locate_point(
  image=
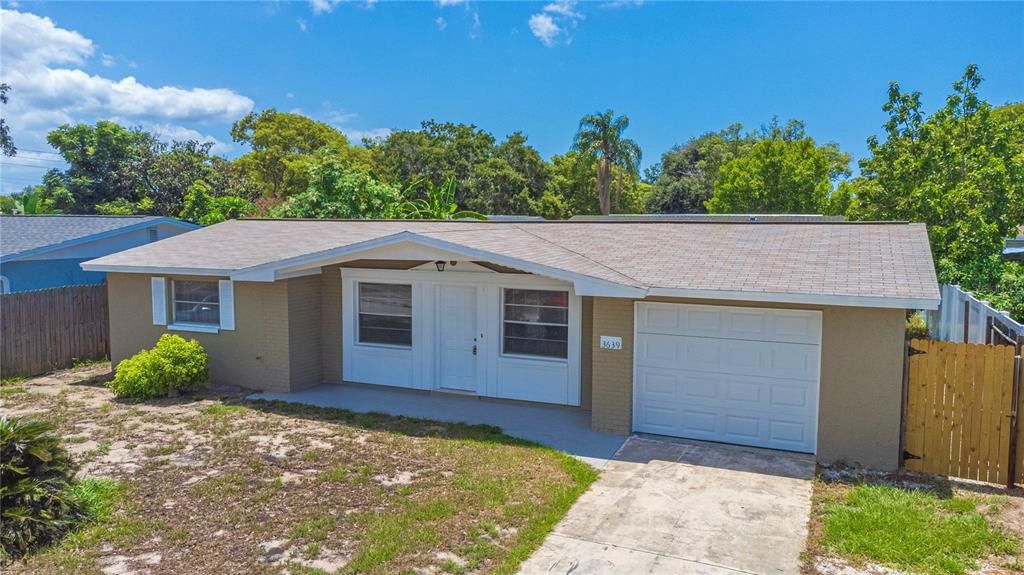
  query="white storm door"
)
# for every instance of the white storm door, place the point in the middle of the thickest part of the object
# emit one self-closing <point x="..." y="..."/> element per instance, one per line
<point x="456" y="334"/>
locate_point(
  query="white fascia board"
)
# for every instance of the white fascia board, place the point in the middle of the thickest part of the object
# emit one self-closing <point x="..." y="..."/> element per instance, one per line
<point x="154" y="270"/>
<point x="584" y="285"/>
<point x="808" y="299"/>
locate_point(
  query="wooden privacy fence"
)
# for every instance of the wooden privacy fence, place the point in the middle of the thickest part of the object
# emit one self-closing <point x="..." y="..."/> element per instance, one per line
<point x="49" y="329"/>
<point x="960" y="408"/>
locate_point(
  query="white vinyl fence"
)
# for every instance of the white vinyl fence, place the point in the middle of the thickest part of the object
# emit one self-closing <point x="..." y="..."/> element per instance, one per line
<point x="964" y="318"/>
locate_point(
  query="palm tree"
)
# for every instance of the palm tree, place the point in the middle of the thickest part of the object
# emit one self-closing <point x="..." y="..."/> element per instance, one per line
<point x="599" y="138"/>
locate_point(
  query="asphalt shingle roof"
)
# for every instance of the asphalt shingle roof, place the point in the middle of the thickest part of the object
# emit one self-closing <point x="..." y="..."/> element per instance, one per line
<point x="19" y="234"/>
<point x="889" y="260"/>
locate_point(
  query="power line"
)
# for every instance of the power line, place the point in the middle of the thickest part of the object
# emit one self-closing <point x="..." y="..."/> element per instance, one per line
<point x="2" y="164"/>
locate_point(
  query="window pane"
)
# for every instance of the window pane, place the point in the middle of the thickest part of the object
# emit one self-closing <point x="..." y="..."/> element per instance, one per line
<point x="535" y="314"/>
<point x="536" y="322"/>
<point x="385" y="314"/>
<point x="537" y="297"/>
<point x="536" y="347"/>
<point x="537" y="331"/>
<point x="386" y="336"/>
<point x="196" y="302"/>
<point x="390" y="299"/>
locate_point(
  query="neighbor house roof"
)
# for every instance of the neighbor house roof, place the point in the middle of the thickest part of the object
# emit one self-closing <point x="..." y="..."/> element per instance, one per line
<point x="1014" y="249"/>
<point x="864" y="264"/>
<point x="22" y="236"/>
<point x="723" y="218"/>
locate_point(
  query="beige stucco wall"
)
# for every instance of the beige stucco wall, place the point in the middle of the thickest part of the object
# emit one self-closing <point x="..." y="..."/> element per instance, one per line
<point x="330" y="323"/>
<point x="271" y="319"/>
<point x="860" y="400"/>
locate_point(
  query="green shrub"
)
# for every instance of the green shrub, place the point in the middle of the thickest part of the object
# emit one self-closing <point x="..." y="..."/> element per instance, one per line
<point x="36" y="504"/>
<point x="916" y="326"/>
<point x="174" y="364"/>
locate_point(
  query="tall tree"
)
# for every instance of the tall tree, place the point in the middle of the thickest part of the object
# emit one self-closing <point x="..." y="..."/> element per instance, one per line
<point x="104" y="164"/>
<point x="686" y="174"/>
<point x="599" y="139"/>
<point x="283" y="146"/>
<point x="960" y="170"/>
<point x="785" y="171"/>
<point x="335" y="191"/>
<point x="6" y="142"/>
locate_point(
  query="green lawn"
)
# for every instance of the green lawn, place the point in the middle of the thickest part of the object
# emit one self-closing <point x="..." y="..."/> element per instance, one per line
<point x="914" y="530"/>
<point x="258" y="487"/>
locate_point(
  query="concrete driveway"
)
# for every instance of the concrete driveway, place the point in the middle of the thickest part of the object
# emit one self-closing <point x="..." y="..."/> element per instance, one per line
<point x="686" y="507"/>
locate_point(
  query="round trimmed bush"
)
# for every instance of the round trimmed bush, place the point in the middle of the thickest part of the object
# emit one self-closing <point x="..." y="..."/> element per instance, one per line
<point x="174" y="364"/>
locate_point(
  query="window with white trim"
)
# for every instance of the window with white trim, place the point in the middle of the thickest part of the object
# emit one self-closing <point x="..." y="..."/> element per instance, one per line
<point x="196" y="302"/>
<point x="535" y="322"/>
<point x="385" y="314"/>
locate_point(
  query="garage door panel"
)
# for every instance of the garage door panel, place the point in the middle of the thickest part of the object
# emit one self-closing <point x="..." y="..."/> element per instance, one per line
<point x="789" y="326"/>
<point x="738" y="375"/>
<point x="771" y="359"/>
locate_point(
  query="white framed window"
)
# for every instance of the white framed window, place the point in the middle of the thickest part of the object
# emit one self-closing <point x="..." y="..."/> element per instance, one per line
<point x="385" y="314"/>
<point x="196" y="302"/>
<point x="535" y="323"/>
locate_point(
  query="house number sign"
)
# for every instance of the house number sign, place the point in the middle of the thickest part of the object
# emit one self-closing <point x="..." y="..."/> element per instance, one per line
<point x="611" y="342"/>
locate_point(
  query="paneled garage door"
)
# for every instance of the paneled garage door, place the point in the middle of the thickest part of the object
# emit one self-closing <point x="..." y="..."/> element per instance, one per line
<point x="737" y="375"/>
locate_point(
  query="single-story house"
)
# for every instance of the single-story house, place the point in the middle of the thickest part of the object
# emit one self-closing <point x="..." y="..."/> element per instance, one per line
<point x="778" y="335"/>
<point x="46" y="251"/>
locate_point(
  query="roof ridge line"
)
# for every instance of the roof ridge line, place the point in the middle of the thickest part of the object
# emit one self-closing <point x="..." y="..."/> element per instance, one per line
<point x="609" y="268"/>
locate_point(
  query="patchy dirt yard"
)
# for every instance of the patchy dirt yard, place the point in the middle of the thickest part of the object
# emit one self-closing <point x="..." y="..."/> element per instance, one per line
<point x="906" y="523"/>
<point x="218" y="484"/>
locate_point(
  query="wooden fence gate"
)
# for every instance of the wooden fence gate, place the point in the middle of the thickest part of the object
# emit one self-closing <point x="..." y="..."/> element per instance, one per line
<point x="960" y="413"/>
<point x="49" y="329"/>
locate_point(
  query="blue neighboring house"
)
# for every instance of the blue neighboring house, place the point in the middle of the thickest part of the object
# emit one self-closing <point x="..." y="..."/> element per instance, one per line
<point x="45" y="251"/>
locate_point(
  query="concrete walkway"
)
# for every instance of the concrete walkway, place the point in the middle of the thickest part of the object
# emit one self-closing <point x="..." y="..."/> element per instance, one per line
<point x="564" y="428"/>
<point x="685" y="507"/>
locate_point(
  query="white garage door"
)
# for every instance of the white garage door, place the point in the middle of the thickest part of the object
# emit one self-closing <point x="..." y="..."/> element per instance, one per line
<point x="730" y="374"/>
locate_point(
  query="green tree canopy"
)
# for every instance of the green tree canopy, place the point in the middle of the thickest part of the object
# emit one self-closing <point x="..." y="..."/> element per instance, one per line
<point x="960" y="170"/>
<point x="6" y="141"/>
<point x="203" y="209"/>
<point x="104" y="164"/>
<point x="685" y="177"/>
<point x="785" y="171"/>
<point x="283" y="146"/>
<point x="600" y="140"/>
<point x="335" y="191"/>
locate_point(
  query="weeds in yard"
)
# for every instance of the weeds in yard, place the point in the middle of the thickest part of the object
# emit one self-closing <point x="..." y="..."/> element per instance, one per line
<point x="912" y="530"/>
<point x="314" y="527"/>
<point x="9" y="381"/>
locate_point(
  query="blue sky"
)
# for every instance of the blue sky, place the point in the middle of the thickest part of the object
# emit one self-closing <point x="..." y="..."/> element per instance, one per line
<point x="677" y="69"/>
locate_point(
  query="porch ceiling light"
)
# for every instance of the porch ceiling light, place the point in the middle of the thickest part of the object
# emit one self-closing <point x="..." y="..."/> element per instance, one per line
<point x="440" y="265"/>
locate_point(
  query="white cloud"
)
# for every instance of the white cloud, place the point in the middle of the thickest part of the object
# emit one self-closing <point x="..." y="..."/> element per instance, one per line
<point x="168" y="132"/>
<point x="544" y="28"/>
<point x="441" y="23"/>
<point x="444" y="3"/>
<point x="44" y="63"/>
<point x="566" y="8"/>
<point x="356" y="136"/>
<point x="622" y="3"/>
<point x="553" y="24"/>
<point x="326" y="6"/>
<point x="323" y="6"/>
<point x="302" y="24"/>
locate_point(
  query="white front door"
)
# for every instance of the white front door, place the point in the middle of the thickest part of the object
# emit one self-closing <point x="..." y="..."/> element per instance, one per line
<point x="456" y="327"/>
<point x="729" y="374"/>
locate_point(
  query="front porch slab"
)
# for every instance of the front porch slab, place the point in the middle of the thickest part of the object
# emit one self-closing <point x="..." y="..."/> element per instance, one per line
<point x="564" y="428"/>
